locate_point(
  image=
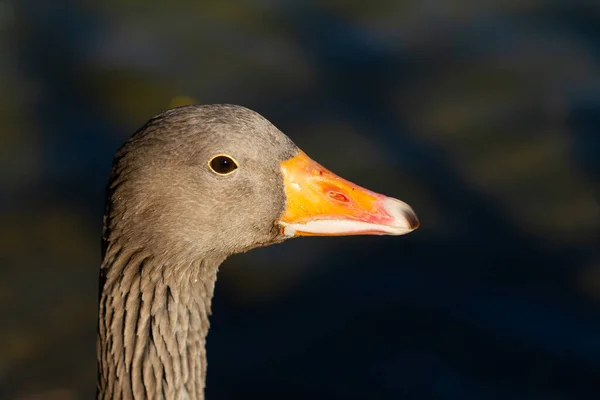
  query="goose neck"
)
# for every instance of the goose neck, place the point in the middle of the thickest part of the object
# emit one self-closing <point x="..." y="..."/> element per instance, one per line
<point x="153" y="322"/>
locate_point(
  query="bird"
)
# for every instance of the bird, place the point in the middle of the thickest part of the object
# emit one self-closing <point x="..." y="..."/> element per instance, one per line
<point x="194" y="185"/>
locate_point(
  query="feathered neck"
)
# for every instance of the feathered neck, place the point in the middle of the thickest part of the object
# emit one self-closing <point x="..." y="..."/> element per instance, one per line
<point x="153" y="322"/>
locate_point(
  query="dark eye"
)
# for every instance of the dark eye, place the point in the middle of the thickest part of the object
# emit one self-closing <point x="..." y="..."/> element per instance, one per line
<point x="222" y="164"/>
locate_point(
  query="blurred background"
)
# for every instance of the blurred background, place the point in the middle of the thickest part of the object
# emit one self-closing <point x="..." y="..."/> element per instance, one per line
<point x="483" y="115"/>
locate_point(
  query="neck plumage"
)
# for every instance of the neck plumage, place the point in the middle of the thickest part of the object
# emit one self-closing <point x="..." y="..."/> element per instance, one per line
<point x="153" y="321"/>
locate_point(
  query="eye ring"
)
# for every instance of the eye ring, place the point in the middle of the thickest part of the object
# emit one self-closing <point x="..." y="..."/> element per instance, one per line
<point x="222" y="164"/>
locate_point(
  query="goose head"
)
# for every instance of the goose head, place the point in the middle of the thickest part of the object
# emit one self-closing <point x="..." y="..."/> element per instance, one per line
<point x="222" y="179"/>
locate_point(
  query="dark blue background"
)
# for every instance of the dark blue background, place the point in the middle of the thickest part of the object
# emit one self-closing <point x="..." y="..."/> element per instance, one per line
<point x="484" y="116"/>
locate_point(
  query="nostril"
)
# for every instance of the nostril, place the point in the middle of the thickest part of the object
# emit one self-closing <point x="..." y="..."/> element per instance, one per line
<point x="338" y="196"/>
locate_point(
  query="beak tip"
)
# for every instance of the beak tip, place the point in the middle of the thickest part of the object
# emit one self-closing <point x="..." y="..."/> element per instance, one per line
<point x="403" y="214"/>
<point x="412" y="219"/>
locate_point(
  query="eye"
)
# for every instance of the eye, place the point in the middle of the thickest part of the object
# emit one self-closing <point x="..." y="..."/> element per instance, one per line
<point x="222" y="164"/>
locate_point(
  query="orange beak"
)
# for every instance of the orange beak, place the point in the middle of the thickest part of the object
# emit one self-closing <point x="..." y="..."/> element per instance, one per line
<point x="320" y="203"/>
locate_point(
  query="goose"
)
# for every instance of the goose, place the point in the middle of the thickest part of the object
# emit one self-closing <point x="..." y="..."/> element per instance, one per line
<point x="191" y="187"/>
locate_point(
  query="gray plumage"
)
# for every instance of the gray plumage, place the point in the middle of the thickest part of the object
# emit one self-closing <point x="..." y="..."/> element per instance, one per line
<point x="169" y="223"/>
